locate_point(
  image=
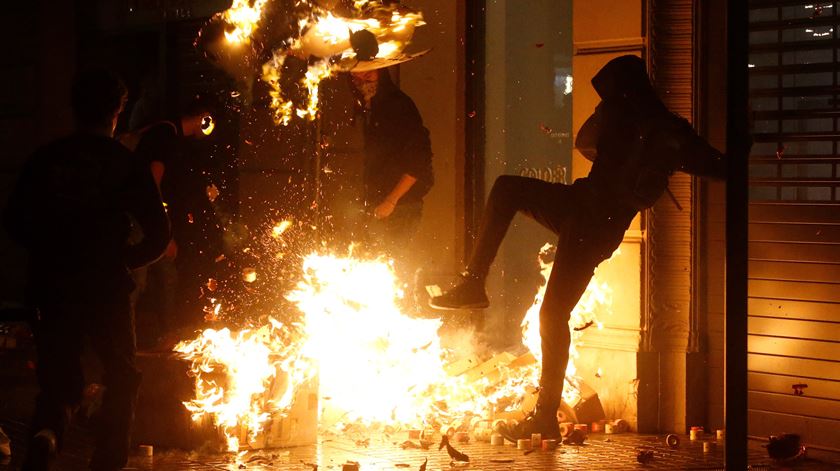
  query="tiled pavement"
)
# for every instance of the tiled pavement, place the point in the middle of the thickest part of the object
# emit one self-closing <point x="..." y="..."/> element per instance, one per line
<point x="601" y="452"/>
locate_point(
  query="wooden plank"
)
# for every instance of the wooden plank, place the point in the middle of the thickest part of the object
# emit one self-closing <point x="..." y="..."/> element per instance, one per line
<point x="815" y="432"/>
<point x="783" y="384"/>
<point x="829" y="370"/>
<point x="795" y="405"/>
<point x="795" y="290"/>
<point x="810" y="349"/>
<point x="794" y="252"/>
<point x="794" y="212"/>
<point x="768" y="231"/>
<point x="800" y="271"/>
<point x="802" y="329"/>
<point x="817" y="311"/>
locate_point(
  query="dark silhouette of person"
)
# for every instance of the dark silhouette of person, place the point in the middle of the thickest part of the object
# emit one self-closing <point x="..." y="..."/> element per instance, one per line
<point x="73" y="209"/>
<point x="635" y="143"/>
<point x="398" y="165"/>
<point x="177" y="157"/>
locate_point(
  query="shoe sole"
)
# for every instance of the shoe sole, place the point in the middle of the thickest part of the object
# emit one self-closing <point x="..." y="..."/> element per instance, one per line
<point x="459" y="308"/>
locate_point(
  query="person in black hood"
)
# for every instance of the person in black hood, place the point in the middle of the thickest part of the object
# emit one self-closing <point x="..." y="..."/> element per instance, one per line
<point x="398" y="164"/>
<point x="73" y="208"/>
<point x="635" y="143"/>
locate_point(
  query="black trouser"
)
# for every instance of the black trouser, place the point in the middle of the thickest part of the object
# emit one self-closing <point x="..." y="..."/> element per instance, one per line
<point x="108" y="324"/>
<point x="394" y="237"/>
<point x="588" y="231"/>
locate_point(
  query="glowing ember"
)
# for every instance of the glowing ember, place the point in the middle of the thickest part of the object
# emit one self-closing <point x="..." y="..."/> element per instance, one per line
<point x="280" y="228"/>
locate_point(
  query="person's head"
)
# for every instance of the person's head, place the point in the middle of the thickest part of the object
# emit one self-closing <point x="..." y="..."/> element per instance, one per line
<point x="197" y="118"/>
<point x="624" y="77"/>
<point x="366" y="83"/>
<point x="98" y="97"/>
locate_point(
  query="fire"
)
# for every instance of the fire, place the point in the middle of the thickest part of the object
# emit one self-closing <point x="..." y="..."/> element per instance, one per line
<point x="312" y="80"/>
<point x="235" y="374"/>
<point x="280" y="228"/>
<point x="596" y="299"/>
<point x="243" y="16"/>
<point x="325" y="38"/>
<point x="374" y="364"/>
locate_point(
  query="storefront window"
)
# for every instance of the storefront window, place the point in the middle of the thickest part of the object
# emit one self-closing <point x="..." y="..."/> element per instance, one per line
<point x="527" y="127"/>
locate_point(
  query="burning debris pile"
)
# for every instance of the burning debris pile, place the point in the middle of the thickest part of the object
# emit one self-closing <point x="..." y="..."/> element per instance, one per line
<point x="378" y="369"/>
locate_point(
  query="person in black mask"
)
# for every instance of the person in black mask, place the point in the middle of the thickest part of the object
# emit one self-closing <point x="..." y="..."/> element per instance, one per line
<point x="73" y="209"/>
<point x="635" y="144"/>
<point x="397" y="167"/>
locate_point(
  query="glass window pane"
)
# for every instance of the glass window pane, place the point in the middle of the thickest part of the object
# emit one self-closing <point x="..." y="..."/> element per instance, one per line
<point x="759" y="193"/>
<point x="811" y="56"/>
<point x="809" y="148"/>
<point x="807" y="102"/>
<point x="760" y="59"/>
<point x="763" y="14"/>
<point x="815" y="193"/>
<point x="764" y="81"/>
<point x="808" y="10"/>
<point x="807" y="80"/>
<point x="808" y="125"/>
<point x="764" y="148"/>
<point x="764" y="37"/>
<point x="805" y="33"/>
<point x="788" y="193"/>
<point x="764" y="103"/>
<point x="764" y="171"/>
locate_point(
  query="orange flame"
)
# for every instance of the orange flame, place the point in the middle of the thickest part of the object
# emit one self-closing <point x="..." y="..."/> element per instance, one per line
<point x="243" y="16"/>
<point x="322" y="35"/>
<point x="375" y="364"/>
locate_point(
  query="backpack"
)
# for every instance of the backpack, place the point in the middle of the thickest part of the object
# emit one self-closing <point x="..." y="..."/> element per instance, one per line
<point x="651" y="161"/>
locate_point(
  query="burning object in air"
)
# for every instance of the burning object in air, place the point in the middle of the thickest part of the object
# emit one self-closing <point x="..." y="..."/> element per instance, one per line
<point x="306" y="43"/>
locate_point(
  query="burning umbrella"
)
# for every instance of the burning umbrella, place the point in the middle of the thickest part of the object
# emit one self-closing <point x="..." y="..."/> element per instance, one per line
<point x="371" y="35"/>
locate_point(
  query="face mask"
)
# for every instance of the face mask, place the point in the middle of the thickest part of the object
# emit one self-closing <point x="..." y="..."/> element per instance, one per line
<point x="368" y="91"/>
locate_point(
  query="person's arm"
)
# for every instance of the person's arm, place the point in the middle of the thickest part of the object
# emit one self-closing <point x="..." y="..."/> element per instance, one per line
<point x="586" y="141"/>
<point x="386" y="207"/>
<point x="144" y="203"/>
<point x="699" y="158"/>
<point x="415" y="157"/>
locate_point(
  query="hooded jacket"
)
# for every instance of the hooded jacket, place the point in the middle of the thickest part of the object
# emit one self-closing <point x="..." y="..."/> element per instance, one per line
<point x="632" y="128"/>
<point x="396" y="143"/>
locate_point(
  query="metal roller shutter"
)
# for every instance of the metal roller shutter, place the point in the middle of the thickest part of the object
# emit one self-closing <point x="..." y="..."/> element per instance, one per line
<point x="794" y="221"/>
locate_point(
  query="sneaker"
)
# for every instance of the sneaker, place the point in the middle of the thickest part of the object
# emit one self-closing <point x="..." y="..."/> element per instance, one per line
<point x="42" y="449"/>
<point x="544" y="425"/>
<point x="468" y="294"/>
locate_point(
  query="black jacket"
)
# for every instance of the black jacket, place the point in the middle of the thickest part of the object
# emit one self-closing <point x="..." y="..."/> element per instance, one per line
<point x="73" y="208"/>
<point x="630" y="111"/>
<point x="396" y="143"/>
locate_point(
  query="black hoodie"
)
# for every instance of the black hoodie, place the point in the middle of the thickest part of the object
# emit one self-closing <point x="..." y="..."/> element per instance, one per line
<point x="396" y="143"/>
<point x="630" y="107"/>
